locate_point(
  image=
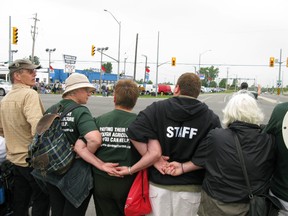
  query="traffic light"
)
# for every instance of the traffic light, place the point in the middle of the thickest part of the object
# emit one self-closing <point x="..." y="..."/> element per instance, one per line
<point x="173" y="63"/>
<point x="287" y="62"/>
<point x="272" y="60"/>
<point x="15" y="35"/>
<point x="93" y="50"/>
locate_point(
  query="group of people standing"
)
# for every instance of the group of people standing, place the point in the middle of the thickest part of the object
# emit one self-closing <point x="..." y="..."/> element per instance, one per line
<point x="194" y="168"/>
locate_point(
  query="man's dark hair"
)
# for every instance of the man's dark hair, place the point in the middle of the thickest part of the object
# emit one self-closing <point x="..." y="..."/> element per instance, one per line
<point x="189" y="84"/>
<point x="244" y="85"/>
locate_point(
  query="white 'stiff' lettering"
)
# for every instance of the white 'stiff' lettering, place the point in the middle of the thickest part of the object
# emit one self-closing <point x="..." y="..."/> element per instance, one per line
<point x="183" y="132"/>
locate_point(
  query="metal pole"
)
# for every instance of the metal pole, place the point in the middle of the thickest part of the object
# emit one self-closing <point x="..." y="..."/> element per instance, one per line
<point x="49" y="63"/>
<point x="34" y="38"/>
<point x="279" y="78"/>
<point x="236" y="83"/>
<point x="135" y="60"/>
<point x="13" y="51"/>
<point x="200" y="58"/>
<point x="157" y="65"/>
<point x="101" y="72"/>
<point x="119" y="42"/>
<point x="199" y="62"/>
<point x="227" y="78"/>
<point x="145" y="69"/>
<point x="9" y="40"/>
<point x="101" y="62"/>
<point x="125" y="59"/>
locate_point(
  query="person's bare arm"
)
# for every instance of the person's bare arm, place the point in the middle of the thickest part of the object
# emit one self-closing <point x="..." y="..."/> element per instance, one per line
<point x="94" y="140"/>
<point x="175" y="168"/>
<point x="82" y="150"/>
<point x="151" y="152"/>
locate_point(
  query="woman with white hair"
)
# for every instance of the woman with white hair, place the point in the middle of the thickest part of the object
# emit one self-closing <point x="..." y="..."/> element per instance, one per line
<point x="224" y="189"/>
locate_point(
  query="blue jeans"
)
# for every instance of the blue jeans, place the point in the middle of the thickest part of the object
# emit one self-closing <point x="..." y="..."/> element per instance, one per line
<point x="26" y="192"/>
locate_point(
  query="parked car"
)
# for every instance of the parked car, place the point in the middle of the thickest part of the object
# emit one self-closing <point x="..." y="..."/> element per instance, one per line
<point x="5" y="87"/>
<point x="205" y="89"/>
<point x="164" y="89"/>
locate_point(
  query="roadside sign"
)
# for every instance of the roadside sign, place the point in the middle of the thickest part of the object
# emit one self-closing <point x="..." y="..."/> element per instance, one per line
<point x="201" y="76"/>
<point x="278" y="83"/>
<point x="69" y="68"/>
<point x="68" y="59"/>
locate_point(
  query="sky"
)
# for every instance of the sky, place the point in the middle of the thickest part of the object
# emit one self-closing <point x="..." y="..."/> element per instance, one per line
<point x="237" y="36"/>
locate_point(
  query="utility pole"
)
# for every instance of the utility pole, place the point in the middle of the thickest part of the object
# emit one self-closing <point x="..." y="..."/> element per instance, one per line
<point x="135" y="60"/>
<point x="33" y="32"/>
<point x="157" y="64"/>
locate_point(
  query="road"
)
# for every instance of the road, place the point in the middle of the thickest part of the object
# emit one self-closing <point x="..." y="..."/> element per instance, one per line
<point x="99" y="105"/>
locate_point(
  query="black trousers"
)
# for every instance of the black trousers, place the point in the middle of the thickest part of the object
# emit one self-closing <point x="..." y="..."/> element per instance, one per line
<point x="27" y="192"/>
<point x="110" y="194"/>
<point x="60" y="206"/>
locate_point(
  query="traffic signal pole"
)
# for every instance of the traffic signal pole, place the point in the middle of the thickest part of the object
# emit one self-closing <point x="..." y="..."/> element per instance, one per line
<point x="9" y="61"/>
<point x="279" y="78"/>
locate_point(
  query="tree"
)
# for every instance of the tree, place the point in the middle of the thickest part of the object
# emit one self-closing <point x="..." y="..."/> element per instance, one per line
<point x="108" y="67"/>
<point x="139" y="81"/>
<point x="222" y="83"/>
<point x="213" y="84"/>
<point x="149" y="82"/>
<point x="210" y="73"/>
<point x="35" y="60"/>
<point x="168" y="83"/>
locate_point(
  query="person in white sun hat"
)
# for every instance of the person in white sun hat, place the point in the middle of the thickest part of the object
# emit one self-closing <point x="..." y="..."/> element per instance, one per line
<point x="70" y="193"/>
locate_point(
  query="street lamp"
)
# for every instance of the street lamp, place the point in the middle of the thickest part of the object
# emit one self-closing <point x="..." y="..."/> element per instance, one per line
<point x="49" y="51"/>
<point x="145" y="69"/>
<point x="119" y="40"/>
<point x="101" y="51"/>
<point x="13" y="51"/>
<point x="200" y="58"/>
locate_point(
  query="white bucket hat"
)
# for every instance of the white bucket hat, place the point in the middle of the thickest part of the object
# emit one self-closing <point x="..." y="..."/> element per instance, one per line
<point x="76" y="81"/>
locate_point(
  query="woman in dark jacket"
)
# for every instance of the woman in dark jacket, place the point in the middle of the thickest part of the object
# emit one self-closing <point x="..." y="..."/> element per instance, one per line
<point x="224" y="190"/>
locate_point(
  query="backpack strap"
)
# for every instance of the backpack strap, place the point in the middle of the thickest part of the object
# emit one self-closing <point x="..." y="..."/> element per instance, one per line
<point x="69" y="109"/>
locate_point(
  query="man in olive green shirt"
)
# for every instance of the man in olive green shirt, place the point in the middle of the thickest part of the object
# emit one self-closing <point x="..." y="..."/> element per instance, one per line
<point x="20" y="111"/>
